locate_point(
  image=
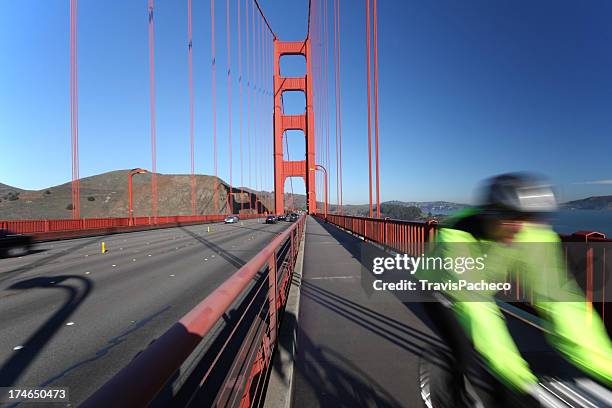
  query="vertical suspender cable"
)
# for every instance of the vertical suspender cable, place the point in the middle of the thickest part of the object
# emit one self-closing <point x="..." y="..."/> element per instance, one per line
<point x="317" y="83"/>
<point x="249" y="84"/>
<point x="338" y="111"/>
<point x="259" y="110"/>
<point x="191" y="112"/>
<point x="152" y="107"/>
<point x="255" y="122"/>
<point x="214" y="106"/>
<point x="262" y="112"/>
<point x="264" y="116"/>
<point x="322" y="96"/>
<point x="74" y="111"/>
<point x="262" y="98"/>
<point x="376" y="109"/>
<point x="229" y="206"/>
<point x="336" y="100"/>
<point x="270" y="134"/>
<point x="240" y="93"/>
<point x="323" y="160"/>
<point x="326" y="84"/>
<point x="264" y="123"/>
<point x="266" y="112"/>
<point x="369" y="100"/>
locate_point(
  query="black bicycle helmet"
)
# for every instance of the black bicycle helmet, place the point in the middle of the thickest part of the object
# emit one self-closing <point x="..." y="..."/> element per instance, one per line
<point x="517" y="195"/>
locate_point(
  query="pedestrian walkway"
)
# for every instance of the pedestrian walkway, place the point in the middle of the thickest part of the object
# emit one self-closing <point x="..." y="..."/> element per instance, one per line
<point x="354" y="349"/>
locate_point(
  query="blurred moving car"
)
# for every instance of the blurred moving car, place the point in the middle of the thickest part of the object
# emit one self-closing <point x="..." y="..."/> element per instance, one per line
<point x="12" y="244"/>
<point x="282" y="217"/>
<point x="293" y="217"/>
<point x="270" y="219"/>
<point x="231" y="219"/>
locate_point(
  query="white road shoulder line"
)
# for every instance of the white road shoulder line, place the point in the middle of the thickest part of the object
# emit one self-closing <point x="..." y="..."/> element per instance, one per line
<point x="330" y="277"/>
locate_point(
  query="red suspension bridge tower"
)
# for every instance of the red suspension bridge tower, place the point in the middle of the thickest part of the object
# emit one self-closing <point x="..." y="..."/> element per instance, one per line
<point x="303" y="122"/>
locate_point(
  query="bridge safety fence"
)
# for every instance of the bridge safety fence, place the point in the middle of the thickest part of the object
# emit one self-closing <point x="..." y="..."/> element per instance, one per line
<point x="45" y="229"/>
<point x="587" y="254"/>
<point x="219" y="353"/>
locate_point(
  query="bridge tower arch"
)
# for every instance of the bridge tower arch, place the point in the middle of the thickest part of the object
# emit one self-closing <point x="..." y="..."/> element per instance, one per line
<point x="304" y="122"/>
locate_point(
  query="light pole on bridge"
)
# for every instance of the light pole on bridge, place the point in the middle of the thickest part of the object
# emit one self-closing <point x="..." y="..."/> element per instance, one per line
<point x="324" y="170"/>
<point x="130" y="175"/>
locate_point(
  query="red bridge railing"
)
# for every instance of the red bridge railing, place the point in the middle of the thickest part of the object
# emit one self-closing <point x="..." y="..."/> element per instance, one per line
<point x="402" y="236"/>
<point x="589" y="262"/>
<point x="68" y="228"/>
<point x="267" y="275"/>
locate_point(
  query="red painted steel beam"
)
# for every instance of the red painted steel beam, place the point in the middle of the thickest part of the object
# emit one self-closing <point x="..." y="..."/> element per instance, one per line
<point x="289" y="84"/>
<point x="282" y="123"/>
<point x="294" y="168"/>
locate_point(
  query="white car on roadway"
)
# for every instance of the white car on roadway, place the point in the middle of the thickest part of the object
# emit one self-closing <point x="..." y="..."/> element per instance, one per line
<point x="231" y="219"/>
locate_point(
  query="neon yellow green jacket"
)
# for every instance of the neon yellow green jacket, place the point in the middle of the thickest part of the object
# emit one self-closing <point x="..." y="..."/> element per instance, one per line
<point x="576" y="329"/>
<point x="579" y="335"/>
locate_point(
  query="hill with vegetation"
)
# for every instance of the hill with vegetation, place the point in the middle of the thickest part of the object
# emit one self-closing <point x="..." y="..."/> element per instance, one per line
<point x="105" y="195"/>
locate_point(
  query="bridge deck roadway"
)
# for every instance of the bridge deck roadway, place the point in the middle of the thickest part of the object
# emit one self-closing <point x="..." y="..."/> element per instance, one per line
<point x="353" y="349"/>
<point x="71" y="316"/>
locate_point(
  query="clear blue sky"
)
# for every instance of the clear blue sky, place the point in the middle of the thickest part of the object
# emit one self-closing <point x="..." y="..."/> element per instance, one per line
<point x="467" y="89"/>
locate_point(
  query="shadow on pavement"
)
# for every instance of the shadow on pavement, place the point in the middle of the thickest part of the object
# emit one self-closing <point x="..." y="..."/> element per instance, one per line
<point x="12" y="369"/>
<point x="232" y="259"/>
<point x="4" y="276"/>
<point x="354" y="245"/>
<point x="380" y="324"/>
<point x="335" y="381"/>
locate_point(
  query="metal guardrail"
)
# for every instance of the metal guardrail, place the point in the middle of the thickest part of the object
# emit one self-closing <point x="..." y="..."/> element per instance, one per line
<point x="138" y="383"/>
<point x="591" y="260"/>
<point x="64" y="225"/>
<point x="399" y="235"/>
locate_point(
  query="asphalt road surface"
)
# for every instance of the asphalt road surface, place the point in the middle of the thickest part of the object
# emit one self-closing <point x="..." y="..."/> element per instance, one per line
<point x="72" y="317"/>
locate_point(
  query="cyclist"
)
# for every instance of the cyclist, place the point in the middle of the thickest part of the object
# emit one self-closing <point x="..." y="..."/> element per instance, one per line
<point x="508" y="226"/>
